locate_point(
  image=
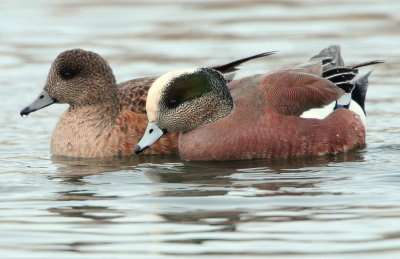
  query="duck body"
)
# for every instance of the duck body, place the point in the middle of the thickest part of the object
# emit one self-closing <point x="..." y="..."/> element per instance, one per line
<point x="91" y="132"/>
<point x="109" y="128"/>
<point x="258" y="128"/>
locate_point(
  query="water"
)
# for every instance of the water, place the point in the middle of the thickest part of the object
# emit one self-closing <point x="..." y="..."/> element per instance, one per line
<point x="159" y="207"/>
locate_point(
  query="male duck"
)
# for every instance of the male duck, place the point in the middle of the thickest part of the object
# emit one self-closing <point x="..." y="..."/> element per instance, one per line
<point x="104" y="118"/>
<point x="312" y="109"/>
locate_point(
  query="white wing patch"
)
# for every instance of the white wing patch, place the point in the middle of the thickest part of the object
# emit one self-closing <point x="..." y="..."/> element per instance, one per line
<point x="321" y="113"/>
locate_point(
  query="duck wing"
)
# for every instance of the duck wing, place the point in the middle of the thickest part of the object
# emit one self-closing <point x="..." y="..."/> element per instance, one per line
<point x="292" y="92"/>
<point x="133" y="94"/>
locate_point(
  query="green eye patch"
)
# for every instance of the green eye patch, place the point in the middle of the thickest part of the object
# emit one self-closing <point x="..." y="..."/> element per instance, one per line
<point x="187" y="87"/>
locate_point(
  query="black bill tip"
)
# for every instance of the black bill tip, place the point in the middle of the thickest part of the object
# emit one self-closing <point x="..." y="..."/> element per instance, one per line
<point x="25" y="111"/>
<point x="43" y="100"/>
<point x="139" y="149"/>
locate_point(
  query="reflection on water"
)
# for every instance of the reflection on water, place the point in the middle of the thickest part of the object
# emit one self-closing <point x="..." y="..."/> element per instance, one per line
<point x="185" y="208"/>
<point x="159" y="206"/>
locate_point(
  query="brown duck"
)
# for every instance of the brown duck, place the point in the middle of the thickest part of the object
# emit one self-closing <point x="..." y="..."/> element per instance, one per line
<point x="104" y="118"/>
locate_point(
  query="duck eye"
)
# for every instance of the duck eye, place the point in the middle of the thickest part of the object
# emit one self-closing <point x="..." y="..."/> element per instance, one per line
<point x="68" y="73"/>
<point x="172" y="103"/>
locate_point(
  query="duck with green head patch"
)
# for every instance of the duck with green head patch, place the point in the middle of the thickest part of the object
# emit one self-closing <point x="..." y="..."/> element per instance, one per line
<point x="261" y="116"/>
<point x="194" y="94"/>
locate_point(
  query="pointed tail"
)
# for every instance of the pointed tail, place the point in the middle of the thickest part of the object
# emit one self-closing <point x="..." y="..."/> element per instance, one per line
<point x="229" y="69"/>
<point x="360" y="90"/>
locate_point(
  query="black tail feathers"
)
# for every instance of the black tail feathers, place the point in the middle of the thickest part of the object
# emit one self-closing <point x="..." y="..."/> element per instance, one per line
<point x="230" y="68"/>
<point x="368" y="63"/>
<point x="343" y="76"/>
<point x="360" y="90"/>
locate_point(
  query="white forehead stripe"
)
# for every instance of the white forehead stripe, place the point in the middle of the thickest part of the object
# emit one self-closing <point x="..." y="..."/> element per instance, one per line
<point x="155" y="90"/>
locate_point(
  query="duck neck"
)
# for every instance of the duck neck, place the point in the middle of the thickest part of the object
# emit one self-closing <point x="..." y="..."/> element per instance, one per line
<point x="225" y="110"/>
<point x="106" y="111"/>
<point x="223" y="104"/>
<point x="219" y="110"/>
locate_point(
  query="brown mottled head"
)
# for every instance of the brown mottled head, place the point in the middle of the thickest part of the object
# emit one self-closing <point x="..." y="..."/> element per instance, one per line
<point x="80" y="77"/>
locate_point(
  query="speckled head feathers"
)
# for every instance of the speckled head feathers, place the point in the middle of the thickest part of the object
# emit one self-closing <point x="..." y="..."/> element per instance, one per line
<point x="182" y="100"/>
<point x="80" y="77"/>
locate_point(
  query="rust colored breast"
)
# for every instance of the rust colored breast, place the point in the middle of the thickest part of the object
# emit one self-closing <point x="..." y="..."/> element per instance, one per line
<point x="274" y="136"/>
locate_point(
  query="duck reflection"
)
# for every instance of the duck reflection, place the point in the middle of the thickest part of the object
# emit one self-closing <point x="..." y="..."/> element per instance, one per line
<point x="269" y="175"/>
<point x="75" y="172"/>
<point x="169" y="179"/>
<point x="68" y="166"/>
<point x="245" y="189"/>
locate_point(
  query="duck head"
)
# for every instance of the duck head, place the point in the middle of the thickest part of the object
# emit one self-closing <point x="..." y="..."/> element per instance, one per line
<point x="183" y="100"/>
<point x="76" y="77"/>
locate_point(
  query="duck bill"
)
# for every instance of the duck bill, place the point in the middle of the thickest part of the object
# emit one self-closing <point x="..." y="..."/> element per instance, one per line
<point x="43" y="100"/>
<point x="151" y="135"/>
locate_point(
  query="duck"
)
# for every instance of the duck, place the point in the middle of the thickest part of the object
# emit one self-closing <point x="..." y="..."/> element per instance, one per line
<point x="104" y="119"/>
<point x="312" y="109"/>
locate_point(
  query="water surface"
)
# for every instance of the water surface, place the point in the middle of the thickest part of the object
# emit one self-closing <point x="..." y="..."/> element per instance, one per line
<point x="156" y="207"/>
